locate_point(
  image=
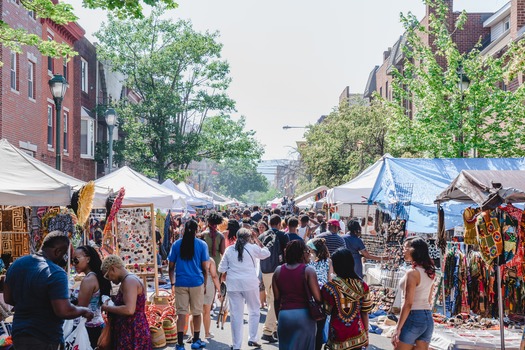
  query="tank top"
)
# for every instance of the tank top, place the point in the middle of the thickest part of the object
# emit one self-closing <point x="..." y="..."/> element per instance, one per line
<point x="422" y="292"/>
<point x="94" y="305"/>
<point x="301" y="231"/>
<point x="291" y="287"/>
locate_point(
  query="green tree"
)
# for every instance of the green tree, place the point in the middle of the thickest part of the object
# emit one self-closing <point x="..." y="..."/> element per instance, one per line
<point x="62" y="13"/>
<point x="344" y="144"/>
<point x="449" y="120"/>
<point x="181" y="112"/>
<point x="236" y="176"/>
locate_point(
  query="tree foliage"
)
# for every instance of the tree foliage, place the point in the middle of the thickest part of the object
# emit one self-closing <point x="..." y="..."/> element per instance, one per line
<point x="180" y="81"/>
<point x="237" y="176"/>
<point x="448" y="120"/>
<point x="344" y="144"/>
<point x="62" y="13"/>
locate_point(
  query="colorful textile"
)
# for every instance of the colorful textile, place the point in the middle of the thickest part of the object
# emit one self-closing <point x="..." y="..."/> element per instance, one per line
<point x="62" y="223"/>
<point x="344" y="300"/>
<point x="469" y="221"/>
<point x="489" y="235"/>
<point x="132" y="332"/>
<point x="321" y="270"/>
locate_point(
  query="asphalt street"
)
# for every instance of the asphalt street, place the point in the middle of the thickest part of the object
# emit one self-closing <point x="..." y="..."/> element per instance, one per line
<point x="222" y="337"/>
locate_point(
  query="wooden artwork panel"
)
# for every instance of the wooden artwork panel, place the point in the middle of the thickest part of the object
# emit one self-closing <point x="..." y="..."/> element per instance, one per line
<point x="16" y="244"/>
<point x="12" y="220"/>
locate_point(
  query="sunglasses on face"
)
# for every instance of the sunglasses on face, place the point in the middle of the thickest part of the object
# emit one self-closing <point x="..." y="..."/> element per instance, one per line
<point x="76" y="260"/>
<point x="106" y="275"/>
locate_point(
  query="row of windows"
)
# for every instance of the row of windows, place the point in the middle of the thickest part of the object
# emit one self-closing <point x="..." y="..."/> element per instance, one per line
<point x="87" y="134"/>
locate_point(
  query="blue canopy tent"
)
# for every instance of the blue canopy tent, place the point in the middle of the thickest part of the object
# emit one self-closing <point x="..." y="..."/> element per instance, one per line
<point x="406" y="188"/>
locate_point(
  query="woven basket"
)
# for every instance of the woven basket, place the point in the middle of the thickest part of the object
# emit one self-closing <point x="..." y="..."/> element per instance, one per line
<point x="158" y="338"/>
<point x="170" y="329"/>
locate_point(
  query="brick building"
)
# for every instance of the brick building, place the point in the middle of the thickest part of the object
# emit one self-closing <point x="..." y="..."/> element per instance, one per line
<point x="27" y="109"/>
<point x="380" y="78"/>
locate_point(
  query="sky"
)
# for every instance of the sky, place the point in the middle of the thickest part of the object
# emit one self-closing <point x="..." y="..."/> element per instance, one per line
<point x="291" y="59"/>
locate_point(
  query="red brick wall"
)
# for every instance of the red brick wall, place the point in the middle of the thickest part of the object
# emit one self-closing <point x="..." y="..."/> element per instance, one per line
<point x="25" y="120"/>
<point x="21" y="118"/>
<point x="517" y="16"/>
<point x="84" y="168"/>
<point x="472" y="32"/>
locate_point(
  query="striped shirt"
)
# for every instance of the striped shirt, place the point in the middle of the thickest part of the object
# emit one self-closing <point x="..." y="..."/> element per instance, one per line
<point x="333" y="241"/>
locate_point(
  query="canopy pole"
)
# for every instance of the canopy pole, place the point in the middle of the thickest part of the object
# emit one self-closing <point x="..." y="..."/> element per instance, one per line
<point x="366" y="218"/>
<point x="500" y="307"/>
<point x="438" y="204"/>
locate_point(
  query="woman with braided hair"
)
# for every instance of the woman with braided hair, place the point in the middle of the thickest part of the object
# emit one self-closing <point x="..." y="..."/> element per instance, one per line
<point x="240" y="262"/>
<point x="415" y="327"/>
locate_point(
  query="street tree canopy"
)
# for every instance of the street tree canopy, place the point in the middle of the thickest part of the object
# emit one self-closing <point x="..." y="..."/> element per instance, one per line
<point x="344" y="143"/>
<point x="182" y="112"/>
<point x="62" y="13"/>
<point x="448" y="119"/>
<point x="237" y="176"/>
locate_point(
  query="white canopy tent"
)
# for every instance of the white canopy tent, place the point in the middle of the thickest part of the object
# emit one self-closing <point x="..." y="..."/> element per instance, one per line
<point x="310" y="194"/>
<point x="193" y="201"/>
<point x="190" y="191"/>
<point x="26" y="181"/>
<point x="357" y="190"/>
<point x="141" y="190"/>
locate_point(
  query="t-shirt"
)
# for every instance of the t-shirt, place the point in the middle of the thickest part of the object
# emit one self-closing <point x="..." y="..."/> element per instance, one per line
<point x="333" y="241"/>
<point x="355" y="245"/>
<point x="293" y="236"/>
<point x="33" y="282"/>
<point x="218" y="240"/>
<point x="188" y="273"/>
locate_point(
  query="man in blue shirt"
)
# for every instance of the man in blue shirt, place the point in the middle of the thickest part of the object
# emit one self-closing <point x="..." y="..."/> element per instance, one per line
<point x="38" y="289"/>
<point x="188" y="266"/>
<point x="357" y="247"/>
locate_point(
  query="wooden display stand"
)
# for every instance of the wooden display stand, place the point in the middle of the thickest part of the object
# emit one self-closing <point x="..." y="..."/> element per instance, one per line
<point x="134" y="241"/>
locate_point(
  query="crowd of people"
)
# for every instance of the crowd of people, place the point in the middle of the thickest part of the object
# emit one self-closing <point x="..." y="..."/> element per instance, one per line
<point x="267" y="259"/>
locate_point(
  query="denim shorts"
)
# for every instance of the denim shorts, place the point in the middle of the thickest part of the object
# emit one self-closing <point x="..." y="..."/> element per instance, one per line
<point x="419" y="325"/>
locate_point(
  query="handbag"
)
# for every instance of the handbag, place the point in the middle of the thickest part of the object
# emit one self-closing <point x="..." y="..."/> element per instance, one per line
<point x="78" y="339"/>
<point x="315" y="308"/>
<point x="104" y="341"/>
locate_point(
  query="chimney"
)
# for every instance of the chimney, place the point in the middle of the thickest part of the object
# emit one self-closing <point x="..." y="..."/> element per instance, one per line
<point x="386" y="54"/>
<point x="517" y="17"/>
<point x="450" y="12"/>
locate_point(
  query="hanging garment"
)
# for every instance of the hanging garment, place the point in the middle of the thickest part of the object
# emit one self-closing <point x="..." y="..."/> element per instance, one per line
<point x="510" y="235"/>
<point x="489" y="236"/>
<point x="469" y="221"/>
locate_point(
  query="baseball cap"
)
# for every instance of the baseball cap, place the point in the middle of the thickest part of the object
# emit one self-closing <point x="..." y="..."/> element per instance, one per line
<point x="334" y="222"/>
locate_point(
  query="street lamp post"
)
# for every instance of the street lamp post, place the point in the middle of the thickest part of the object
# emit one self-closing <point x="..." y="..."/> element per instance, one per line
<point x="58" y="86"/>
<point x="111" y="120"/>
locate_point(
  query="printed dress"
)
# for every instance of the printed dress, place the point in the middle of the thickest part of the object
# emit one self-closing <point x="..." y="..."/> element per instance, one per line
<point x="131" y="332"/>
<point x="344" y="300"/>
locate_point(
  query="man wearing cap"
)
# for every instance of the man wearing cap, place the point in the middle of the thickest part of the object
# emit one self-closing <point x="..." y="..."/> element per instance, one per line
<point x="333" y="240"/>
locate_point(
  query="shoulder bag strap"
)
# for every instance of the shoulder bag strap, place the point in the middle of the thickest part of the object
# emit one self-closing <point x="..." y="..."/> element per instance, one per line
<point x="250" y="256"/>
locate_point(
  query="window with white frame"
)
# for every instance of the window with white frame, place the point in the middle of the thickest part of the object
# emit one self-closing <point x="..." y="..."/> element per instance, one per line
<point x="31" y="14"/>
<point x="49" y="126"/>
<point x="506" y="25"/>
<point x="14" y="71"/>
<point x="65" y="68"/>
<point x="66" y="122"/>
<point x="31" y="79"/>
<point x="84" y="74"/>
<point x="87" y="137"/>
<point x="49" y="59"/>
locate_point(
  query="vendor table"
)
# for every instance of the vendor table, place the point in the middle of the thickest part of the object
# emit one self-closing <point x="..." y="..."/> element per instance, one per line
<point x="458" y="339"/>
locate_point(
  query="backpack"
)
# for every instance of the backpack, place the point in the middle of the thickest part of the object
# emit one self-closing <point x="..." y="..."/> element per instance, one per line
<point x="272" y="242"/>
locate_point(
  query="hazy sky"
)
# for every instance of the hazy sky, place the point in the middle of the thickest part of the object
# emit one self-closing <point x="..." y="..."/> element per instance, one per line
<point x="291" y="59"/>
